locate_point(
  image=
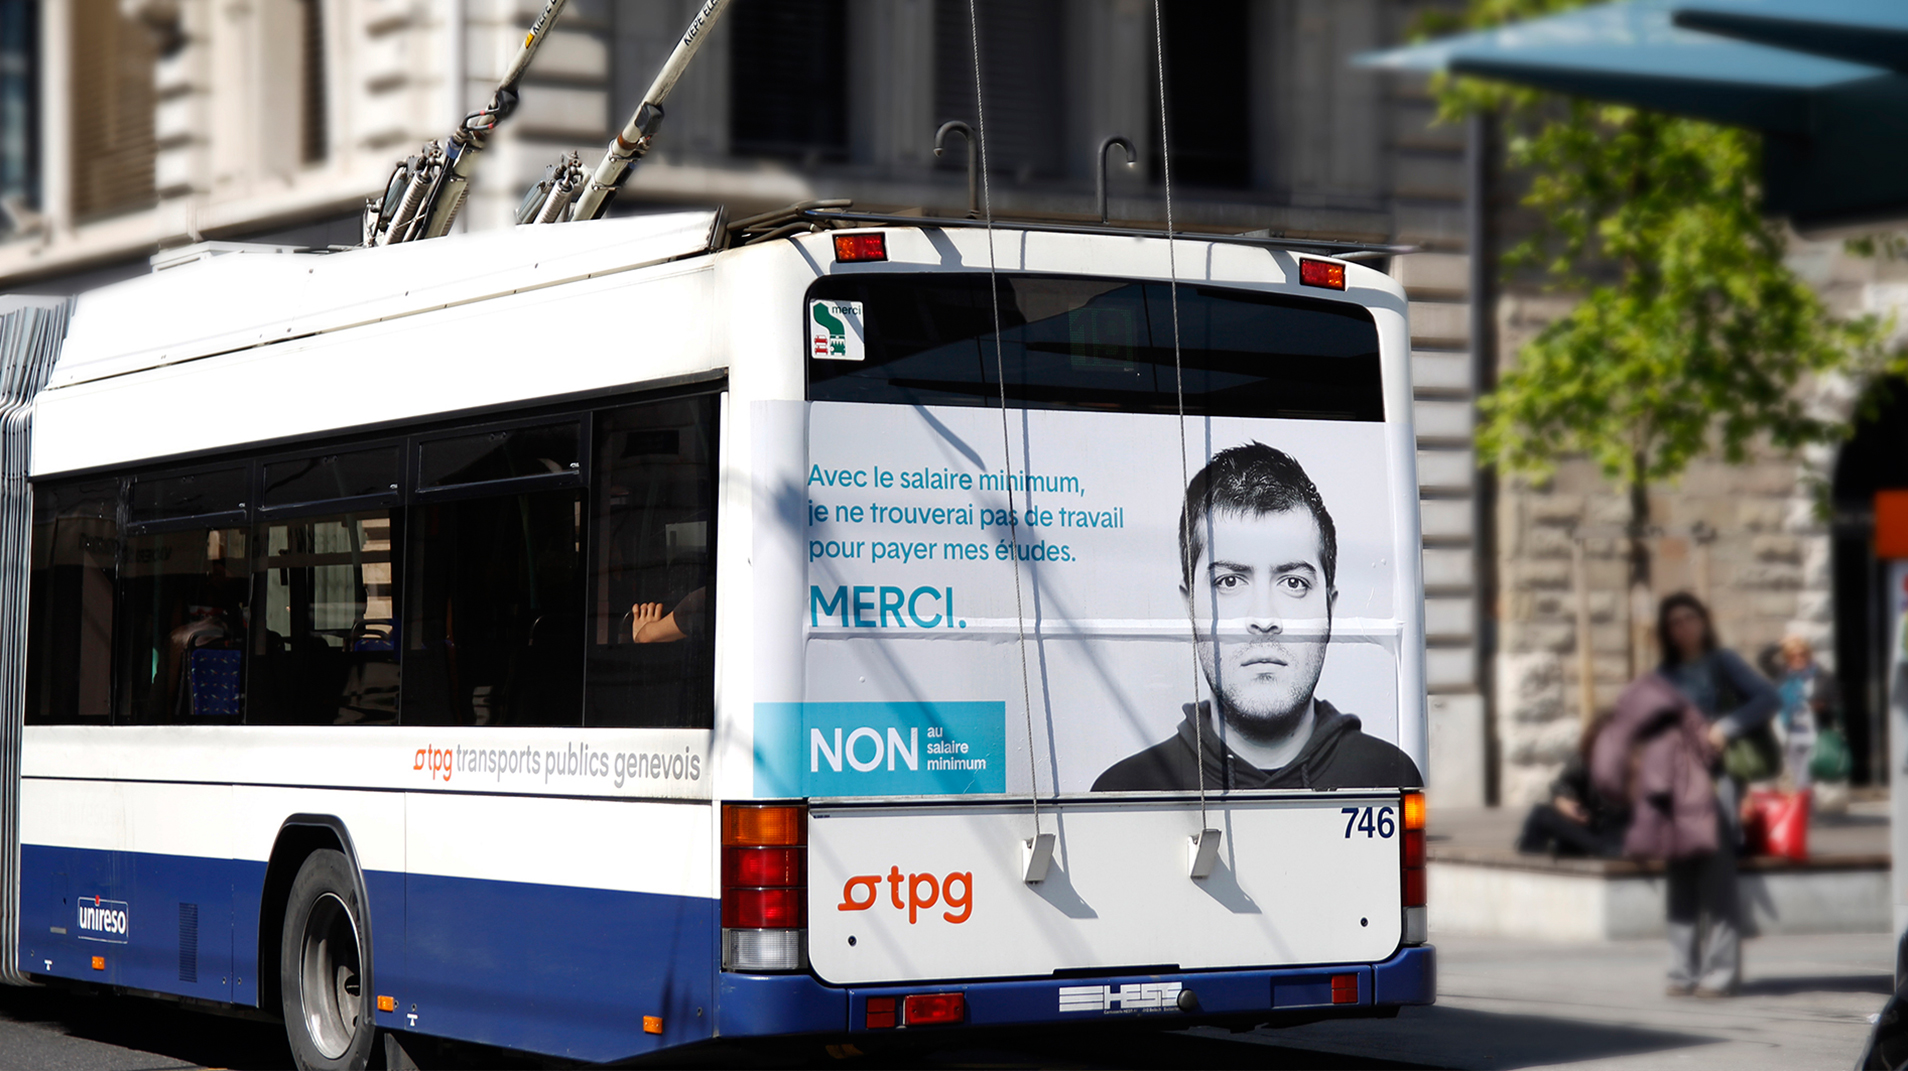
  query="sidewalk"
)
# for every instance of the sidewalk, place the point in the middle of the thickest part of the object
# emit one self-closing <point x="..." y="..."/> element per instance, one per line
<point x="1490" y="833"/>
<point x="1514" y="1004"/>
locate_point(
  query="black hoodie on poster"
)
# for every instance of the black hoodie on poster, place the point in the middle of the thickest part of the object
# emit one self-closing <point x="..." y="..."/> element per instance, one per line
<point x="1339" y="755"/>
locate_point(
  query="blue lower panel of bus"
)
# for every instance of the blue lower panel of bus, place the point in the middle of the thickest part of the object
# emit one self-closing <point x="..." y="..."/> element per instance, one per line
<point x="167" y="923"/>
<point x="552" y="969"/>
<point x="544" y="968"/>
<point x="771" y="1005"/>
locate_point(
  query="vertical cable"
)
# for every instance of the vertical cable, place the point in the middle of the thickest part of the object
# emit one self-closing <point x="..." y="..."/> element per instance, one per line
<point x="1179" y="401"/>
<point x="1006" y="438"/>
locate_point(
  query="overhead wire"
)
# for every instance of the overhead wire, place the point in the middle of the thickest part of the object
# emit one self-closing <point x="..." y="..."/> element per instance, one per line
<point x="1006" y="437"/>
<point x="1179" y="403"/>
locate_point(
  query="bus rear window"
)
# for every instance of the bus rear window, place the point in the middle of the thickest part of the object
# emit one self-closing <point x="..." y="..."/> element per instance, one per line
<point x="1071" y="342"/>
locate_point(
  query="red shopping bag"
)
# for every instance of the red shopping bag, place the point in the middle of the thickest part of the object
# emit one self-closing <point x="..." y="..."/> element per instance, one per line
<point x="1776" y="823"/>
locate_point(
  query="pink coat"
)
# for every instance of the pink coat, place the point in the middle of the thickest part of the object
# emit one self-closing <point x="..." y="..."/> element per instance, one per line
<point x="1655" y="754"/>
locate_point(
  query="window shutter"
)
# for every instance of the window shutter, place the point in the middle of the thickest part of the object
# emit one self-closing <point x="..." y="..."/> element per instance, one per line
<point x="112" y="101"/>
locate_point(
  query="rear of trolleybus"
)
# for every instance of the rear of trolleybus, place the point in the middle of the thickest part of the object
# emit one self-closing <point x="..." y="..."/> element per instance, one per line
<point x="1105" y="703"/>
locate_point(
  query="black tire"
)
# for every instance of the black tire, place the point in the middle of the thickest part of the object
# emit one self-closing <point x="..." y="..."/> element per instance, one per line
<point x="324" y="967"/>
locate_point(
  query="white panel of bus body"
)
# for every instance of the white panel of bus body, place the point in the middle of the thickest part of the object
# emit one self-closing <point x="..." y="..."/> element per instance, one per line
<point x="1290" y="888"/>
<point x="589" y="336"/>
<point x="604" y="763"/>
<point x="620" y="845"/>
<point x="664" y="848"/>
<point x="762" y="336"/>
<point x="201" y="820"/>
<point x="239" y="301"/>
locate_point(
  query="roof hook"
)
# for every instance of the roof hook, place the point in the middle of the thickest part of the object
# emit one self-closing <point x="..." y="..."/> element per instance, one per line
<point x="973" y="161"/>
<point x="1131" y="159"/>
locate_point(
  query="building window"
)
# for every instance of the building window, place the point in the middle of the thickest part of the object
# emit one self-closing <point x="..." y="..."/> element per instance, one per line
<point x="112" y="102"/>
<point x="1207" y="95"/>
<point x="1021" y="69"/>
<point x="788" y="92"/>
<point x="315" y="134"/>
<point x="19" y="110"/>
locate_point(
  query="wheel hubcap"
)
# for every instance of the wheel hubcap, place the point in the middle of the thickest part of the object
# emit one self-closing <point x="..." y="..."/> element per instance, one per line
<point x="329" y="976"/>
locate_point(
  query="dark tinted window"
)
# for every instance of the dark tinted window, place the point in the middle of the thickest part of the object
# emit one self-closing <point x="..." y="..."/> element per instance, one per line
<point x="493" y="614"/>
<point x="70" y="654"/>
<point x="504" y="454"/>
<point x="325" y="648"/>
<point x="652" y="627"/>
<point x="1208" y="93"/>
<point x="160" y="498"/>
<point x="184" y="604"/>
<point x="788" y="81"/>
<point x="327" y="477"/>
<point x="1082" y="343"/>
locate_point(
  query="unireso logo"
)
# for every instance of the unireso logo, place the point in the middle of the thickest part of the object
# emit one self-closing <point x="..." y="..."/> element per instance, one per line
<point x="100" y="919"/>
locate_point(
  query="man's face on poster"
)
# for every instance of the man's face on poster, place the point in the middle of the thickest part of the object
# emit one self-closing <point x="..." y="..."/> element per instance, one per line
<point x="1262" y="611"/>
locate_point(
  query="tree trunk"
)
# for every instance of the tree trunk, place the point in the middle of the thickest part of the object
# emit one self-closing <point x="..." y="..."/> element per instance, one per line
<point x="1642" y="599"/>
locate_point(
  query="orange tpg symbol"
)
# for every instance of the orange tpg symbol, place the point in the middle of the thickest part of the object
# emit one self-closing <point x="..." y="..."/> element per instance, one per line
<point x="924" y="892"/>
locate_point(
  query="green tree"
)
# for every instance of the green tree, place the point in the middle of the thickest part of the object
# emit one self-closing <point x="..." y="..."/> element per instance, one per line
<point x="1690" y="337"/>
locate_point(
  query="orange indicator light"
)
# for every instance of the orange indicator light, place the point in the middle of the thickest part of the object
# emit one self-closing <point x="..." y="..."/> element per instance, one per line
<point x="1414" y="810"/>
<point x="387" y="1004"/>
<point x="99" y="963"/>
<point x="652" y="1024"/>
<point x="763" y="827"/>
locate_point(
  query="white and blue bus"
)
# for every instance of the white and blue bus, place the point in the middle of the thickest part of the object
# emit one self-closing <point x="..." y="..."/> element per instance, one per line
<point x="602" y="638"/>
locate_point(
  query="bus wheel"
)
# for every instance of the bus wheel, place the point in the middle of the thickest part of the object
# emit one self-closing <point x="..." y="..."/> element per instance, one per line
<point x="321" y="968"/>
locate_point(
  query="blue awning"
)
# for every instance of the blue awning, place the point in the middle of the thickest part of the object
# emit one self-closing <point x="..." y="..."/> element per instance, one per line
<point x="1824" y="79"/>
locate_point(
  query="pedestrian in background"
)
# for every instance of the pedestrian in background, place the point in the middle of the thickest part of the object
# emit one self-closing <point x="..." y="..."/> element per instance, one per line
<point x="1578" y="820"/>
<point x="1809" y="698"/>
<point x="1737" y="704"/>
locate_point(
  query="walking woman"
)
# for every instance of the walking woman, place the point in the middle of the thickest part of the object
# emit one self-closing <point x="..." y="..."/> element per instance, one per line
<point x="1704" y="909"/>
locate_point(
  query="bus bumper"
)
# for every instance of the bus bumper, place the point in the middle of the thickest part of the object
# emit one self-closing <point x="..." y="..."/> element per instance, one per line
<point x="769" y="1005"/>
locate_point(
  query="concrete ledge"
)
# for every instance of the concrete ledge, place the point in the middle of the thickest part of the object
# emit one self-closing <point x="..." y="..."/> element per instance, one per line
<point x="1594" y="900"/>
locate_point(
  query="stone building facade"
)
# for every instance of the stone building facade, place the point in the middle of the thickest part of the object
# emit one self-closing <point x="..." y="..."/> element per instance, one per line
<point x="1758" y="542"/>
<point x="159" y="124"/>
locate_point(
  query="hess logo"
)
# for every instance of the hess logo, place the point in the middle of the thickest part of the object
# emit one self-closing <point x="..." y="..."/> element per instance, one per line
<point x="925" y="891"/>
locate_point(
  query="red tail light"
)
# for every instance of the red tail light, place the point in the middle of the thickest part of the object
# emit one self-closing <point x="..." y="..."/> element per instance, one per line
<point x="933" y="1009"/>
<point x="1412" y="849"/>
<point x="764" y="866"/>
<point x="764" y="909"/>
<point x="867" y="245"/>
<point x="764" y="887"/>
<point x="1323" y="273"/>
<point x="1344" y="989"/>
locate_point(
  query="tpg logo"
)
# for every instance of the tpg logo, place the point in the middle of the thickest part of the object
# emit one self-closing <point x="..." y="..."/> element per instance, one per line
<point x="103" y="920"/>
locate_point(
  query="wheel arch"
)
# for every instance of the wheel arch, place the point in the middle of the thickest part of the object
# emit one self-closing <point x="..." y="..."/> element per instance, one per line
<point x="298" y="837"/>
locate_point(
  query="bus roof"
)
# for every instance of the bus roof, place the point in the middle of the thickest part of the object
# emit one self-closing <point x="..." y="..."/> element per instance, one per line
<point x="239" y="301"/>
<point x="248" y="299"/>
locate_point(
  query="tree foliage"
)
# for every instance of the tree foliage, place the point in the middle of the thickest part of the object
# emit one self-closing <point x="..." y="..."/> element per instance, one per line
<point x="1691" y="336"/>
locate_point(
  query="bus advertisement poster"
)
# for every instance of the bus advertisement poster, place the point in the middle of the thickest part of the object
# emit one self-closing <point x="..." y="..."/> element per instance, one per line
<point x="924" y="558"/>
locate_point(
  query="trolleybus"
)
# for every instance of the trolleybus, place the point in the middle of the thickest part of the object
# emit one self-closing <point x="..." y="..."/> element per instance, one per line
<point x="601" y="638"/>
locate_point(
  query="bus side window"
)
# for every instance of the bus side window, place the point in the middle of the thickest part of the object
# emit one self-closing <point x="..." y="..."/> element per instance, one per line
<point x="494" y="611"/>
<point x="652" y="575"/>
<point x="185" y="604"/>
<point x="75" y="547"/>
<point x="327" y="651"/>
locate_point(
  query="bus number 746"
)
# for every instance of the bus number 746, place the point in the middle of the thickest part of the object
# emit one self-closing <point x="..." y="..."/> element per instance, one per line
<point x="1362" y="820"/>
